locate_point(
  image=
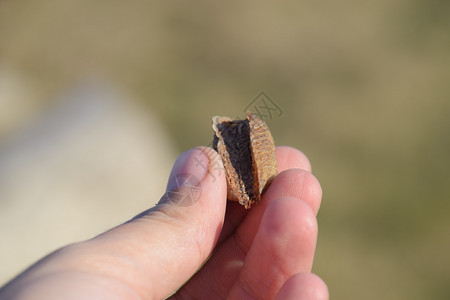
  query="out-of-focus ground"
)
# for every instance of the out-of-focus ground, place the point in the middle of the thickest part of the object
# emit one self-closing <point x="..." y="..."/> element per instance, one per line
<point x="363" y="87"/>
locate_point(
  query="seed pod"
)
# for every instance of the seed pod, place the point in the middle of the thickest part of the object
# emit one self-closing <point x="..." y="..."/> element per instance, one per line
<point x="248" y="154"/>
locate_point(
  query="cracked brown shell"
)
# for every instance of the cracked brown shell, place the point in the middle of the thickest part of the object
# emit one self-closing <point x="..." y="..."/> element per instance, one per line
<point x="247" y="150"/>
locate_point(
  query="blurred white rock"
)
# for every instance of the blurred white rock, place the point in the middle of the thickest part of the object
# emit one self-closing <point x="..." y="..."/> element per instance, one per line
<point x="92" y="161"/>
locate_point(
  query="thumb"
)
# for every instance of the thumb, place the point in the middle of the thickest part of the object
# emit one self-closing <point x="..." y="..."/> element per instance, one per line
<point x="160" y="249"/>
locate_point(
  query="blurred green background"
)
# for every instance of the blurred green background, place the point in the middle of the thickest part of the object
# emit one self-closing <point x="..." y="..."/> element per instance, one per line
<point x="364" y="88"/>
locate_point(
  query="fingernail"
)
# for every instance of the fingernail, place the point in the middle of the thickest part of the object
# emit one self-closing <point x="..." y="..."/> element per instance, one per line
<point x="189" y="169"/>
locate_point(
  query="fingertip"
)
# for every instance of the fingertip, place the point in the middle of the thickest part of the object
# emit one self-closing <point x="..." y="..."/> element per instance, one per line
<point x="287" y="214"/>
<point x="289" y="158"/>
<point x="292" y="221"/>
<point x="304" y="286"/>
<point x="195" y="171"/>
<point x="296" y="183"/>
<point x="214" y="157"/>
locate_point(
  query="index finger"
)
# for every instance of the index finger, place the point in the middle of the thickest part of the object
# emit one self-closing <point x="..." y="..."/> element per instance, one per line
<point x="291" y="158"/>
<point x="287" y="158"/>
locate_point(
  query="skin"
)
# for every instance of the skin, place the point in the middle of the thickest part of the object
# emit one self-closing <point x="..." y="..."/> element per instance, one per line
<point x="263" y="253"/>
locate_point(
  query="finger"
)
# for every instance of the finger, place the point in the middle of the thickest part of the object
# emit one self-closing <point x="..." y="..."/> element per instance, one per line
<point x="159" y="250"/>
<point x="224" y="266"/>
<point x="291" y="158"/>
<point x="287" y="158"/>
<point x="294" y="183"/>
<point x="284" y="245"/>
<point x="303" y="286"/>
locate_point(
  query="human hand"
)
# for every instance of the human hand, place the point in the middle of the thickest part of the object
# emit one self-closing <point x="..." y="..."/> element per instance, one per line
<point x="262" y="253"/>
